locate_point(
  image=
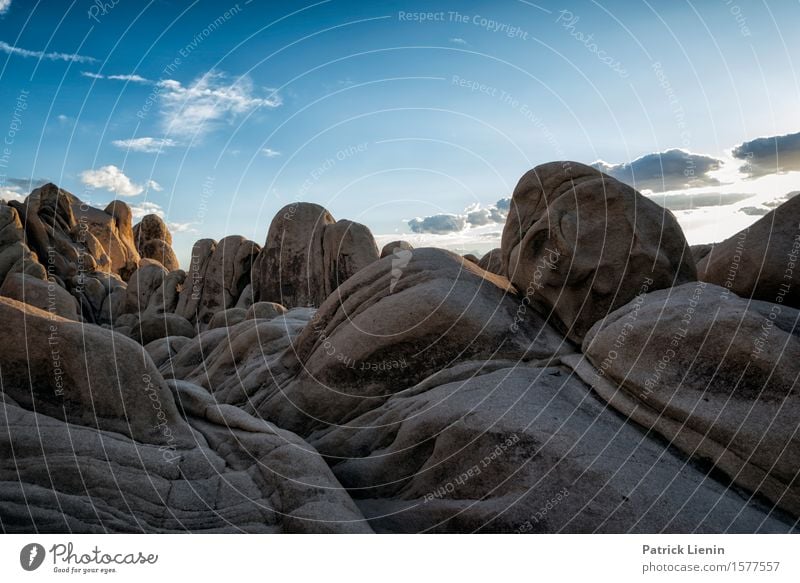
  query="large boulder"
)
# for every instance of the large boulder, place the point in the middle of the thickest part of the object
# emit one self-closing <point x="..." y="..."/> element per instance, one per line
<point x="581" y="244"/>
<point x="499" y="447"/>
<point x="388" y="327"/>
<point x="307" y="255"/>
<point x="761" y="261"/>
<point x="85" y="375"/>
<point x="45" y="295"/>
<point x="390" y="247"/>
<point x="289" y="270"/>
<point x="143" y="284"/>
<point x="192" y="292"/>
<point x="715" y="374"/>
<point x="15" y="255"/>
<point x="153" y="326"/>
<point x="492" y="261"/>
<point x="227" y="275"/>
<point x="113" y="228"/>
<point x="347" y="248"/>
<point x="154" y="241"/>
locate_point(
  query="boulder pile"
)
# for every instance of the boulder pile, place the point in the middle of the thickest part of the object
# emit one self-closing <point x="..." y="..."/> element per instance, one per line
<point x="592" y="374"/>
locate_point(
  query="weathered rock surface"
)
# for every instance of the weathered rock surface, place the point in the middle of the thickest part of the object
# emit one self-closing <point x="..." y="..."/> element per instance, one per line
<point x="494" y="447"/>
<point x="82" y="374"/>
<point x="138" y="454"/>
<point x="581" y="244"/>
<point x="714" y="374"/>
<point x="44" y="295"/>
<point x="384" y="331"/>
<point x="761" y="261"/>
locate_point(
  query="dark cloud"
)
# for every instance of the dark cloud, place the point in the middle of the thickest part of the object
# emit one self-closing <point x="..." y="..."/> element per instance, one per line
<point x="683" y="202"/>
<point x="438" y="224"/>
<point x="671" y="170"/>
<point x="444" y="223"/>
<point x="769" y="155"/>
<point x="753" y="210"/>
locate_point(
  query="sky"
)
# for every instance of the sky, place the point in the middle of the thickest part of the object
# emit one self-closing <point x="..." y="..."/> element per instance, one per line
<point x="414" y="118"/>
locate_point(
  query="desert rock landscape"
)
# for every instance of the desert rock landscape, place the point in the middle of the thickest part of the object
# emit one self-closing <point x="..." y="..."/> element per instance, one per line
<point x="593" y="374"/>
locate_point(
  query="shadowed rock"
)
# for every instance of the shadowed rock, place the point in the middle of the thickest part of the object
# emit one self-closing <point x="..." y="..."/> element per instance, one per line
<point x="761" y="261"/>
<point x="581" y="244"/>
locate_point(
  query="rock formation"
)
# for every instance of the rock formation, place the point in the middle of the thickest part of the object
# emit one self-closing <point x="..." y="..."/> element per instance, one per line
<point x="154" y="241"/>
<point x="307" y="255"/>
<point x="582" y="244"/>
<point x="577" y="379"/>
<point x="761" y="261"/>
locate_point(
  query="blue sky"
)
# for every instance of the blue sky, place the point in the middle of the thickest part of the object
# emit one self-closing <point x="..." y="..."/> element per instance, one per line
<point x="216" y="114"/>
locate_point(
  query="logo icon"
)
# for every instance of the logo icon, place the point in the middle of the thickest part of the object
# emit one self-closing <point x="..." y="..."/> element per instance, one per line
<point x="400" y="258"/>
<point x="31" y="556"/>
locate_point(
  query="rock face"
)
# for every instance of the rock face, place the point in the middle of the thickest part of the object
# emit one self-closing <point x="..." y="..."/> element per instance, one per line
<point x="138" y="454"/>
<point x="307" y="255"/>
<point x="154" y="241"/>
<point x="113" y="228"/>
<point x="493" y="448"/>
<point x="49" y="367"/>
<point x="761" y="261"/>
<point x="581" y="244"/>
<point x="716" y="375"/>
<point x="387" y="328"/>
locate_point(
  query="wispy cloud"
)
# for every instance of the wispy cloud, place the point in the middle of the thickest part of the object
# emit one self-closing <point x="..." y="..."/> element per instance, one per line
<point x="114" y="180"/>
<point x="4" y="6"/>
<point x="458" y="41"/>
<point x="270" y="153"/>
<point x="68" y="57"/>
<point x="208" y="102"/>
<point x="130" y="78"/>
<point x="146" y="145"/>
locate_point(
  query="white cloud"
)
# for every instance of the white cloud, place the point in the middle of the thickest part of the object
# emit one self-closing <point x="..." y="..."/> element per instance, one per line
<point x="147" y="145"/>
<point x="112" y="179"/>
<point x="73" y="58"/>
<point x="4" y="6"/>
<point x="131" y="78"/>
<point x="181" y="227"/>
<point x="207" y="102"/>
<point x="9" y="193"/>
<point x="153" y="185"/>
<point x="270" y="153"/>
<point x="146" y="207"/>
<point x="458" y="41"/>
